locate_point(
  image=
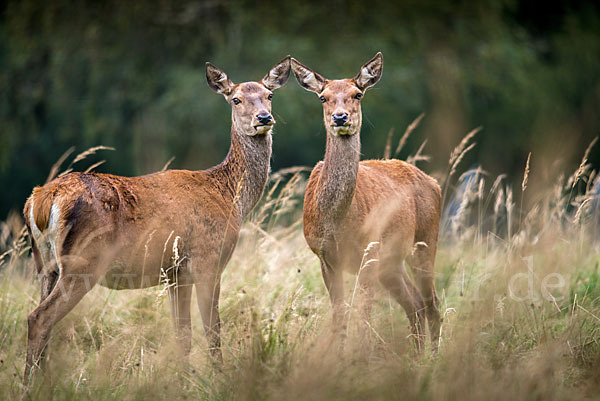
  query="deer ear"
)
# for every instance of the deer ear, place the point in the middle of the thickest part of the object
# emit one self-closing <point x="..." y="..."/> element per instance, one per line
<point x="307" y="78"/>
<point x="278" y="75"/>
<point x="218" y="80"/>
<point x="370" y="73"/>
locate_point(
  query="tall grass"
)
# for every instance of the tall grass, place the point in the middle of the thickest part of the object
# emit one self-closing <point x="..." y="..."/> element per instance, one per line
<point x="521" y="308"/>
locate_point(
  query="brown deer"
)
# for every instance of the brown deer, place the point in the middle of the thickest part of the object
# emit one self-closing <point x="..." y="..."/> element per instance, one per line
<point x="349" y="205"/>
<point x="176" y="226"/>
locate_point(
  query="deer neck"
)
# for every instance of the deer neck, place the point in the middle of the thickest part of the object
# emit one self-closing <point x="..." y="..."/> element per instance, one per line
<point x="338" y="177"/>
<point x="245" y="169"/>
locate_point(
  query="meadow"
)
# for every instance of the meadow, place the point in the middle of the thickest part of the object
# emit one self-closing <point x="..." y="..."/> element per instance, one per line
<point x="516" y="272"/>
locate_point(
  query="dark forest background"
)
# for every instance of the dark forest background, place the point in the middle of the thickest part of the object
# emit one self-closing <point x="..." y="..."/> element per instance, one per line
<point x="131" y="75"/>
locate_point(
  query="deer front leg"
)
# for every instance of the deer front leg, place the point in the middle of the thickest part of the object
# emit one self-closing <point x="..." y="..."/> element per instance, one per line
<point x="180" y="296"/>
<point x="335" y="286"/>
<point x="396" y="280"/>
<point x="367" y="292"/>
<point x="207" y="293"/>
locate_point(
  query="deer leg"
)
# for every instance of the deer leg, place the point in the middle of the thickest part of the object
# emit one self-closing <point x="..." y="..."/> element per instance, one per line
<point x="366" y="285"/>
<point x="366" y="288"/>
<point x="398" y="283"/>
<point x="48" y="281"/>
<point x="422" y="265"/>
<point x="66" y="293"/>
<point x="180" y="296"/>
<point x="207" y="293"/>
<point x="335" y="287"/>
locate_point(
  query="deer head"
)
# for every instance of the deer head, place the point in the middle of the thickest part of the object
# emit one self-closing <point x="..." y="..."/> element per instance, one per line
<point x="341" y="98"/>
<point x="250" y="101"/>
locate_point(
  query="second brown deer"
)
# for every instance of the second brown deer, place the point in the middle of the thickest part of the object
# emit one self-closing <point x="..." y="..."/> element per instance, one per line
<point x="351" y="204"/>
<point x="175" y="226"/>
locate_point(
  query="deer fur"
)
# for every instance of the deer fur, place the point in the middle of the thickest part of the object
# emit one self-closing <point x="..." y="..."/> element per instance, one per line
<point x="351" y="205"/>
<point x="175" y="226"/>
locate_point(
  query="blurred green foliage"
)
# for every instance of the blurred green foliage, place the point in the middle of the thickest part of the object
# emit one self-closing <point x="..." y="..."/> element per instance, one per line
<point x="131" y="75"/>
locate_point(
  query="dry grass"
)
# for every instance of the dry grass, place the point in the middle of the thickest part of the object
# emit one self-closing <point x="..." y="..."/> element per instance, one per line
<point x="521" y="315"/>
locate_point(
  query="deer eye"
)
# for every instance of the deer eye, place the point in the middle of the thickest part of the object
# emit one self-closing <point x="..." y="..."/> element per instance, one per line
<point x="270" y="97"/>
<point x="323" y="100"/>
<point x="358" y="96"/>
<point x="236" y="101"/>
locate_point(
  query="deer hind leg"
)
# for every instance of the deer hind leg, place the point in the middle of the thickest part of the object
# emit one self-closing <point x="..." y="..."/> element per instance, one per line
<point x="180" y="297"/>
<point x="207" y="294"/>
<point x="396" y="280"/>
<point x="68" y="290"/>
<point x="47" y="276"/>
<point x="422" y="266"/>
<point x="48" y="282"/>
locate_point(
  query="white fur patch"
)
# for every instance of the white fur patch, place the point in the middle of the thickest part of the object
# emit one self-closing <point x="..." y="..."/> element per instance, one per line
<point x="47" y="242"/>
<point x="263" y="129"/>
<point x="54" y="232"/>
<point x="35" y="231"/>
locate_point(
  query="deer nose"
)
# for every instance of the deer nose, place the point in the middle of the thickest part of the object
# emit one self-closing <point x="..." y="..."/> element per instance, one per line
<point x="264" y="118"/>
<point x="340" y="119"/>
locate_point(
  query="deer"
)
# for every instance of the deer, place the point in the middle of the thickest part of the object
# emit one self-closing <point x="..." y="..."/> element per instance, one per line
<point x="389" y="207"/>
<point x="175" y="226"/>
